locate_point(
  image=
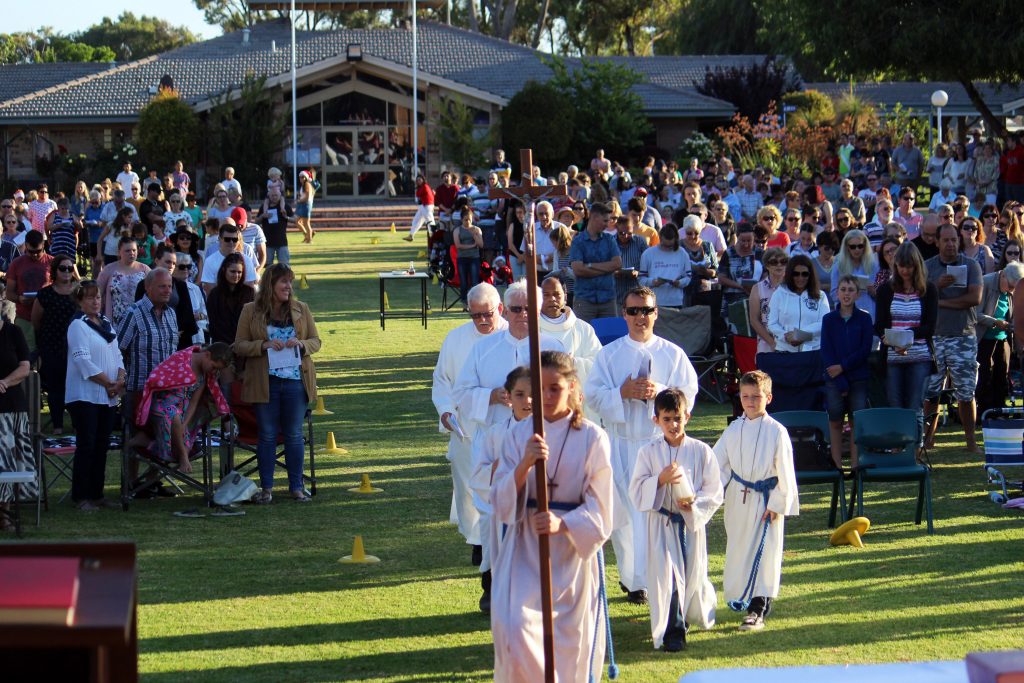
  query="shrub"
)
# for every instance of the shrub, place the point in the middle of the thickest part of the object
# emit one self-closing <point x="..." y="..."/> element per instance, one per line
<point x="814" y="107"/>
<point x="527" y="123"/>
<point x="167" y="131"/>
<point x="697" y="146"/>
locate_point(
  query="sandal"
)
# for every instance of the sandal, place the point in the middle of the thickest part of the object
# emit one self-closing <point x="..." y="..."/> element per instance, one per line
<point x="299" y="496"/>
<point x="88" y="506"/>
<point x="262" y="498"/>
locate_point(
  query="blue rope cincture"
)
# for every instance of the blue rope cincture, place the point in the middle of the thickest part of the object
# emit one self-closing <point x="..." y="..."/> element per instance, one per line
<point x="764" y="487"/>
<point x="602" y="605"/>
<point x="677" y="519"/>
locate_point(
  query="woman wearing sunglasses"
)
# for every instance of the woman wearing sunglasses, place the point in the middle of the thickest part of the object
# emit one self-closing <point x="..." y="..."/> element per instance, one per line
<point x="797" y="308"/>
<point x="52" y="313"/>
<point x="857" y="259"/>
<point x="774" y="261"/>
<point x="972" y="249"/>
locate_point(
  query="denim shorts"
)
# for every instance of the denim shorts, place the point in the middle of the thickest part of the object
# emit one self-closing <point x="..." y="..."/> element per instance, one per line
<point x="960" y="356"/>
<point x="845" y="403"/>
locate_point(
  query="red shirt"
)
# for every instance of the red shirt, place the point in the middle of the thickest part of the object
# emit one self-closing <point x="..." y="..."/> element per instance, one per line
<point x="445" y="196"/>
<point x="424" y="195"/>
<point x="27" y="275"/>
<point x="779" y="239"/>
<point x="1013" y="163"/>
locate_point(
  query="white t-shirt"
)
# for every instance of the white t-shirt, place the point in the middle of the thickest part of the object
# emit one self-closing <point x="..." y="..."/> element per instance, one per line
<point x="211" y="264"/>
<point x="228" y="184"/>
<point x="127" y="180"/>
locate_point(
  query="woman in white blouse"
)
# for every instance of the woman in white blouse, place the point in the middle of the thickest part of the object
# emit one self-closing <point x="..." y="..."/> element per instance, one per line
<point x="797" y="307"/>
<point x="95" y="382"/>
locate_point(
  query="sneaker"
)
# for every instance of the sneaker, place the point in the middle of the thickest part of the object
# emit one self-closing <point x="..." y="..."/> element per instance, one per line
<point x="752" y="622"/>
<point x="407" y="238"/>
<point x="637" y="597"/>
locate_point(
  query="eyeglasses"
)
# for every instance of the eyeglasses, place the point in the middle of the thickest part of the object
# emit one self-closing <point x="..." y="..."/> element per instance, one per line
<point x="6" y="206"/>
<point x="692" y="234"/>
<point x="230" y="240"/>
<point x="908" y="197"/>
<point x="989" y="215"/>
<point x="634" y="311"/>
<point x="969" y="227"/>
<point x="777" y="261"/>
<point x="793" y="219"/>
<point x="851" y="246"/>
<point x="186" y="236"/>
<point x="66" y="269"/>
<point x="1012" y="252"/>
<point x="221" y="196"/>
<point x="516" y="310"/>
<point x="482" y="316"/>
<point x="801" y="273"/>
<point x="767" y="219"/>
<point x="175" y="201"/>
<point x="182" y="266"/>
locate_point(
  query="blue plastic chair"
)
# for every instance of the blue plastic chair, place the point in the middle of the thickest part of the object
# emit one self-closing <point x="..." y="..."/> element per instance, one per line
<point x="887" y="441"/>
<point x="609" y="329"/>
<point x="834" y="476"/>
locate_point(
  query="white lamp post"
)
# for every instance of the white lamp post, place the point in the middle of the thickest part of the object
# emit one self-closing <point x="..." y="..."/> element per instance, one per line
<point x="939" y="100"/>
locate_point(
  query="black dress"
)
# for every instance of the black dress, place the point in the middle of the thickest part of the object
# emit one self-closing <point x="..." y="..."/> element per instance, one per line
<point x="52" y="339"/>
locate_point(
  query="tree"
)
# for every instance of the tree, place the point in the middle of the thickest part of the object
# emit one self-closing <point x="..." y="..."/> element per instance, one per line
<point x="716" y="27"/>
<point x="167" y="131"/>
<point x="246" y="132"/>
<point x="526" y="122"/>
<point x="904" y="41"/>
<point x="627" y="27"/>
<point x="812" y="106"/>
<point x="460" y="141"/>
<point x="607" y="113"/>
<point x="750" y="88"/>
<point x="132" y="37"/>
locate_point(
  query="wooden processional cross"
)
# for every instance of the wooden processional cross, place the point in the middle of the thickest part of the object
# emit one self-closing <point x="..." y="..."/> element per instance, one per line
<point x="530" y="194"/>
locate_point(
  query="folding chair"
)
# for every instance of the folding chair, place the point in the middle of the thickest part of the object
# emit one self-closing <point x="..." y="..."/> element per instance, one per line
<point x="887" y="440"/>
<point x="60" y="455"/>
<point x="201" y="451"/>
<point x="450" y="282"/>
<point x="609" y="329"/>
<point x="244" y="435"/>
<point x="812" y="458"/>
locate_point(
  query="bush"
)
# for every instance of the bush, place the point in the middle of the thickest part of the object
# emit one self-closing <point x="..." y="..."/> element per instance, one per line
<point x="527" y="123"/>
<point x="697" y="146"/>
<point x="462" y="142"/>
<point x="167" y="131"/>
<point x="815" y="107"/>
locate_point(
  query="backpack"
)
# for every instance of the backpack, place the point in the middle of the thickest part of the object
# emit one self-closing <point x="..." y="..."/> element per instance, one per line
<point x="810" y="450"/>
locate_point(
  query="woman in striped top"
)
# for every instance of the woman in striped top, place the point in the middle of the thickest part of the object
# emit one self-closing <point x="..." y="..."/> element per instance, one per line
<point x="62" y="228"/>
<point x="908" y="301"/>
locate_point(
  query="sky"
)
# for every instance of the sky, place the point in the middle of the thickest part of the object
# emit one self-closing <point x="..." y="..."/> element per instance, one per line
<point x="69" y="16"/>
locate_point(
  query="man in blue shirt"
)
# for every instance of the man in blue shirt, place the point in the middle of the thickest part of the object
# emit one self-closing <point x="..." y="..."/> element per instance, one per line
<point x="594" y="256"/>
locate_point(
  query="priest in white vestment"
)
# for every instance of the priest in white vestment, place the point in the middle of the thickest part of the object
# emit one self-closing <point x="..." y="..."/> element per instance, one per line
<point x="578" y="524"/>
<point x="485" y="311"/>
<point x="668" y="573"/>
<point x="558" y="321"/>
<point x="752" y="451"/>
<point x="625" y="378"/>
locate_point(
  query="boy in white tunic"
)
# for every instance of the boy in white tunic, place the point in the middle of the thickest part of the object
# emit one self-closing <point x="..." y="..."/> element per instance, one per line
<point x="623" y="382"/>
<point x="485" y="462"/>
<point x="679" y="591"/>
<point x="756" y="458"/>
<point x="578" y="524"/>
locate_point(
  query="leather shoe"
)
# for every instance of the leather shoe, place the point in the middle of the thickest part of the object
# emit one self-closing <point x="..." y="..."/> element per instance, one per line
<point x="478" y="556"/>
<point x="637" y="597"/>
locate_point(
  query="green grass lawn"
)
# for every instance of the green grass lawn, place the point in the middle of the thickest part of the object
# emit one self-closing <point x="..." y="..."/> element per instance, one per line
<point x="263" y="597"/>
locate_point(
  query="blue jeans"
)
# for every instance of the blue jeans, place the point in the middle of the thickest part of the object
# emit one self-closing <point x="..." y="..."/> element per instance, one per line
<point x="905" y="384"/>
<point x="469" y="275"/>
<point x="282" y="414"/>
<point x="280" y="252"/>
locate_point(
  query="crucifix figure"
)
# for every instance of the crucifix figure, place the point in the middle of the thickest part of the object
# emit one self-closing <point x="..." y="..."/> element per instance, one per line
<point x="530" y="193"/>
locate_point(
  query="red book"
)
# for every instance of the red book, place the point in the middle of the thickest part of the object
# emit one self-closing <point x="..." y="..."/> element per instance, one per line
<point x="38" y="590"/>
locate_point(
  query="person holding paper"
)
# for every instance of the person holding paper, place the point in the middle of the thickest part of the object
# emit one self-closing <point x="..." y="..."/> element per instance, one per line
<point x="857" y="259"/>
<point x="797" y="307"/>
<point x="907" y="302"/>
<point x="277" y="335"/>
<point x="958" y="281"/>
<point x="485" y="312"/>
<point x="995" y="322"/>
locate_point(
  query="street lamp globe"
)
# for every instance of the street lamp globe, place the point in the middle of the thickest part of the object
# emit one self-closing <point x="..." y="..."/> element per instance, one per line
<point x="939" y="98"/>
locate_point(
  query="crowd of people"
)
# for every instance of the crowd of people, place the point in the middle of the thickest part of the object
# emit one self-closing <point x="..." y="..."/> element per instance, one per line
<point x="839" y="276"/>
<point x="189" y="313"/>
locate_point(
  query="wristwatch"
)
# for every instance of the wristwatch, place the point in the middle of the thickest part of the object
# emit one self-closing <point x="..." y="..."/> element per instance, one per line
<point x="588" y="265"/>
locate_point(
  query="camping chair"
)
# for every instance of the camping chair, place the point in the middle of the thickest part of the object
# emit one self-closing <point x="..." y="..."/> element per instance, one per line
<point x="1003" y="430"/>
<point x="812" y="456"/>
<point x="202" y="451"/>
<point x="691" y="329"/>
<point x="887" y="440"/>
<point x="609" y="329"/>
<point x="743" y="360"/>
<point x="243" y="435"/>
<point x="450" y="282"/>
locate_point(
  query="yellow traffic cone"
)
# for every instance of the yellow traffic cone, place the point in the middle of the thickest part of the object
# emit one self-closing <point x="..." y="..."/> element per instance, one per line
<point x="374" y="240"/>
<point x="332" y="447"/>
<point x="365" y="486"/>
<point x="320" y="409"/>
<point x="393" y="229"/>
<point x="387" y="304"/>
<point x="303" y="282"/>
<point x="422" y="254"/>
<point x="851" y="532"/>
<point x="359" y="555"/>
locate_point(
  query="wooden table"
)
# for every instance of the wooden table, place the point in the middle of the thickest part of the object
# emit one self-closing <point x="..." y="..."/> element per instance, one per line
<point x="423" y="278"/>
<point x="102" y="643"/>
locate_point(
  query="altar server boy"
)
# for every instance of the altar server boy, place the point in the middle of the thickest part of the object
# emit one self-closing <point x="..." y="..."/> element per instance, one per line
<point x="676" y="486"/>
<point x="756" y="459"/>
